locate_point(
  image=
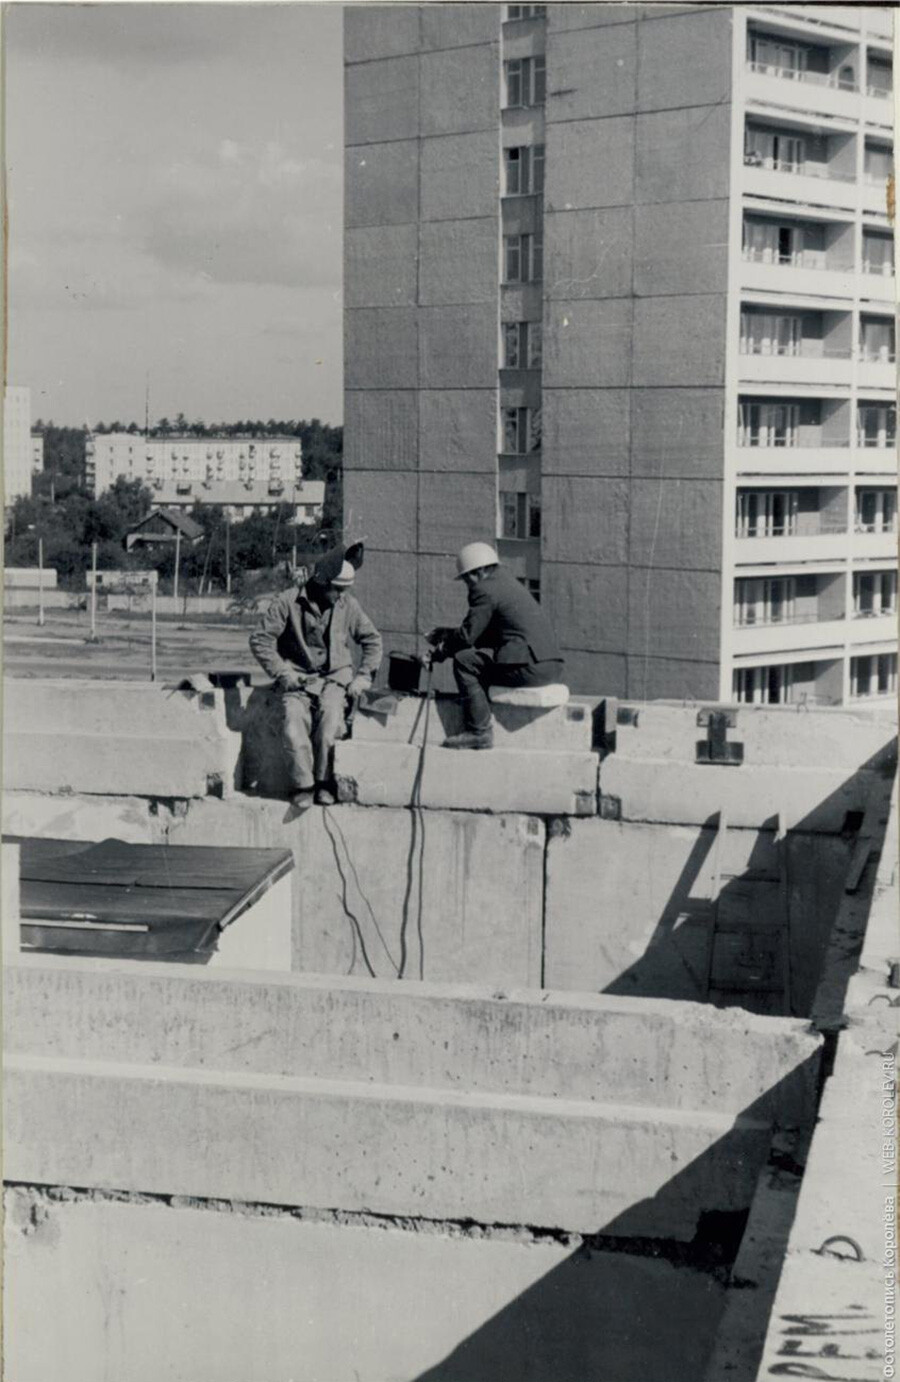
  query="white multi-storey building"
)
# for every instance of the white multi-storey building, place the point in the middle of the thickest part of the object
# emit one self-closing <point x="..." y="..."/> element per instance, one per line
<point x="243" y="474"/>
<point x="23" y="455"/>
<point x="811" y="561"/>
<point x="683" y="433"/>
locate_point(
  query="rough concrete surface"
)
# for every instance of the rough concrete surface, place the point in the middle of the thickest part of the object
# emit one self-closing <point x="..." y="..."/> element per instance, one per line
<point x="144" y="1291"/>
<point x="499" y="780"/>
<point x="507" y="1159"/>
<point x="466" y="1038"/>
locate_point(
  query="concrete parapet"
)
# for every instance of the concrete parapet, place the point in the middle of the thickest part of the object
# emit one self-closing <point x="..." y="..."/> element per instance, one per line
<point x="497" y="1159"/>
<point x="661" y="1054"/>
<point x="9" y="900"/>
<point x="783" y="736"/>
<point x="680" y="793"/>
<point x="567" y="728"/>
<point x="116" y="737"/>
<point x="388" y="774"/>
<point x="137" y="820"/>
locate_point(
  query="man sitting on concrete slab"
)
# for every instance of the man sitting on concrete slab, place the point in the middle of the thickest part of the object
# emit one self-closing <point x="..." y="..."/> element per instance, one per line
<point x="304" y="642"/>
<point x="505" y="640"/>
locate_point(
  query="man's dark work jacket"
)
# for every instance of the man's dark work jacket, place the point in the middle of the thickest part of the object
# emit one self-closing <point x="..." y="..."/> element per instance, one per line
<point x="504" y="617"/>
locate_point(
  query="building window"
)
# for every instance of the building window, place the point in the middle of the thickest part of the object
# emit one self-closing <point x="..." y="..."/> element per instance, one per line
<point x="766" y="513"/>
<point x="878" y="254"/>
<point x="765" y="601"/>
<point x="777" y="57"/>
<point x="523" y="170"/>
<point x="879" y="77"/>
<point x="773" y="149"/>
<point x="768" y="424"/>
<point x="520" y="514"/>
<point x="874" y="593"/>
<point x="876" y="424"/>
<point x="526" y="11"/>
<point x="526" y="82"/>
<point x="877" y="342"/>
<point x="769" y="242"/>
<point x="522" y="345"/>
<point x="521" y="430"/>
<point x="873" y="674"/>
<point x="878" y="164"/>
<point x="532" y="586"/>
<point x="876" y="510"/>
<point x="763" y="685"/>
<point x="523" y="258"/>
<point x="764" y="333"/>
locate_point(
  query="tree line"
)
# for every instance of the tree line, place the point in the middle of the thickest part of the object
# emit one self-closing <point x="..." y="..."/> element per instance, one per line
<point x="63" y="514"/>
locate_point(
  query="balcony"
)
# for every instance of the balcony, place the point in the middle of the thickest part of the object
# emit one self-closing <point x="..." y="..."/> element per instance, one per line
<point x="874" y="192"/>
<point x="875" y="626"/>
<point x="790" y="635"/>
<point x="808" y="365"/>
<point x="878" y="106"/>
<point x="807" y="276"/>
<point x="877" y="370"/>
<point x="822" y="92"/>
<point x="813" y="183"/>
<point x="825" y="462"/>
<point x="825" y="543"/>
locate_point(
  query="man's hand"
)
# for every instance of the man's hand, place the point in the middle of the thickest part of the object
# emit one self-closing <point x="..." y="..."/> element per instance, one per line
<point x="289" y="681"/>
<point x="357" y="686"/>
<point x="438" y="640"/>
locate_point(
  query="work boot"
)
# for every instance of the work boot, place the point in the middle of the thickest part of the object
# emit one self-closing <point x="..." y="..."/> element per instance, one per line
<point x="324" y="795"/>
<point x="471" y="739"/>
<point x="302" y="800"/>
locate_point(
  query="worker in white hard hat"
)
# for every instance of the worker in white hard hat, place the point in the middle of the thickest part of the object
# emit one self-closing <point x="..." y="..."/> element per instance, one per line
<point x="304" y="641"/>
<point x="504" y="640"/>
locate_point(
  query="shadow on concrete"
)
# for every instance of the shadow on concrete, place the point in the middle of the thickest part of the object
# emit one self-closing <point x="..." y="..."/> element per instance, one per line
<point x="761" y="944"/>
<point x="623" y="1306"/>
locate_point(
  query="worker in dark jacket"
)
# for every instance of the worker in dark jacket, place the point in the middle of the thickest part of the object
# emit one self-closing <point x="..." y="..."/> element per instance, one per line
<point x="504" y="640"/>
<point x="304" y="642"/>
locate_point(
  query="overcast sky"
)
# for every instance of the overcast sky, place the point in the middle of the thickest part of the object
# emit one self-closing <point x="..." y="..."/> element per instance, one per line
<point x="174" y="183"/>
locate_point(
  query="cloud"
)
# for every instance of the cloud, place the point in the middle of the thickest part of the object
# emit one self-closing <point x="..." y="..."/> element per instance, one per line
<point x="248" y="212"/>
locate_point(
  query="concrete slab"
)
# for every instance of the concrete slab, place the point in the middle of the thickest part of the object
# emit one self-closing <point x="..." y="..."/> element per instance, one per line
<point x="826" y="1310"/>
<point x="567" y="728"/>
<point x="464" y="1038"/>
<point x="784" y="736"/>
<point x="145" y="765"/>
<point x="816" y="799"/>
<point x="495" y="1159"/>
<point x="37" y="705"/>
<point x="9" y="900"/>
<point x="365" y="1301"/>
<point x="498" y="780"/>
<point x="130" y="818"/>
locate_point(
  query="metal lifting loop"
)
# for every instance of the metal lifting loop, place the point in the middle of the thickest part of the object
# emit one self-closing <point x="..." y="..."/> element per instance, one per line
<point x="825" y="1249"/>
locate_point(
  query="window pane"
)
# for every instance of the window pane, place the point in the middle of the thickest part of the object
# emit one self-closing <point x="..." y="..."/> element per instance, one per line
<point x="510" y="430"/>
<point x="534" y="515"/>
<point x="514" y="83"/>
<point x="535" y="343"/>
<point x="507" y="515"/>
<point x="537" y="258"/>
<point x="514" y="172"/>
<point x="535" y="428"/>
<point x="537" y="168"/>
<point x="511" y="345"/>
<point x="539" y="84"/>
<point x="513" y="255"/>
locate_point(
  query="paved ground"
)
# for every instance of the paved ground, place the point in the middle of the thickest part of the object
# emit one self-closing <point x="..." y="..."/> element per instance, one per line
<point x="62" y="648"/>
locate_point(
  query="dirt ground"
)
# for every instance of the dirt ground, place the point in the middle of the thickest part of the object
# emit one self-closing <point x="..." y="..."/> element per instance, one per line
<point x="62" y="648"/>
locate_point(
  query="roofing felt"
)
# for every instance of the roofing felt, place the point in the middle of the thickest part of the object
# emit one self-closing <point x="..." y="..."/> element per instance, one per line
<point x="181" y="895"/>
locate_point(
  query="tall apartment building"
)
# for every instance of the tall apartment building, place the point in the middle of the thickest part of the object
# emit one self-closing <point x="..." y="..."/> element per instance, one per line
<point x="243" y="474"/>
<point x="620" y="295"/>
<point x="23" y="454"/>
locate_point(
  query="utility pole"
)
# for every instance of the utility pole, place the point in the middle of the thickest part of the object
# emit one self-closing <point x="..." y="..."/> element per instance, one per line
<point x="227" y="552"/>
<point x="177" y="559"/>
<point x="93" y="592"/>
<point x="153" y="628"/>
<point x="40" y="582"/>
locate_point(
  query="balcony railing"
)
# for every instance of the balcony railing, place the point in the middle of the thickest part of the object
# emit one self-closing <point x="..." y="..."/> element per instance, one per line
<point x="747" y="619"/>
<point x="790" y="442"/>
<point x="798" y="74"/>
<point x="886" y="442"/>
<point x="820" y="529"/>
<point x="804" y="169"/>
<point x="874" y="613"/>
<point x="886" y="92"/>
<point x="794" y="261"/>
<point x="885" y="529"/>
<point x="876" y="357"/>
<point x="797" y="350"/>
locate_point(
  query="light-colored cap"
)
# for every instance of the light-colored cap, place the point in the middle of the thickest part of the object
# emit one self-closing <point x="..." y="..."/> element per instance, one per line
<point x="474" y="555"/>
<point x="345" y="577"/>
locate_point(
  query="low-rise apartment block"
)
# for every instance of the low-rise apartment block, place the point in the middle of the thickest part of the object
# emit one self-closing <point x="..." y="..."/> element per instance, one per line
<point x="620" y="297"/>
<point x="23" y="454"/>
<point x="243" y="474"/>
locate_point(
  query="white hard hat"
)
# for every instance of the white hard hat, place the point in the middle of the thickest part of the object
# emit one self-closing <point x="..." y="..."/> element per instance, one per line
<point x="473" y="555"/>
<point x="346" y="576"/>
